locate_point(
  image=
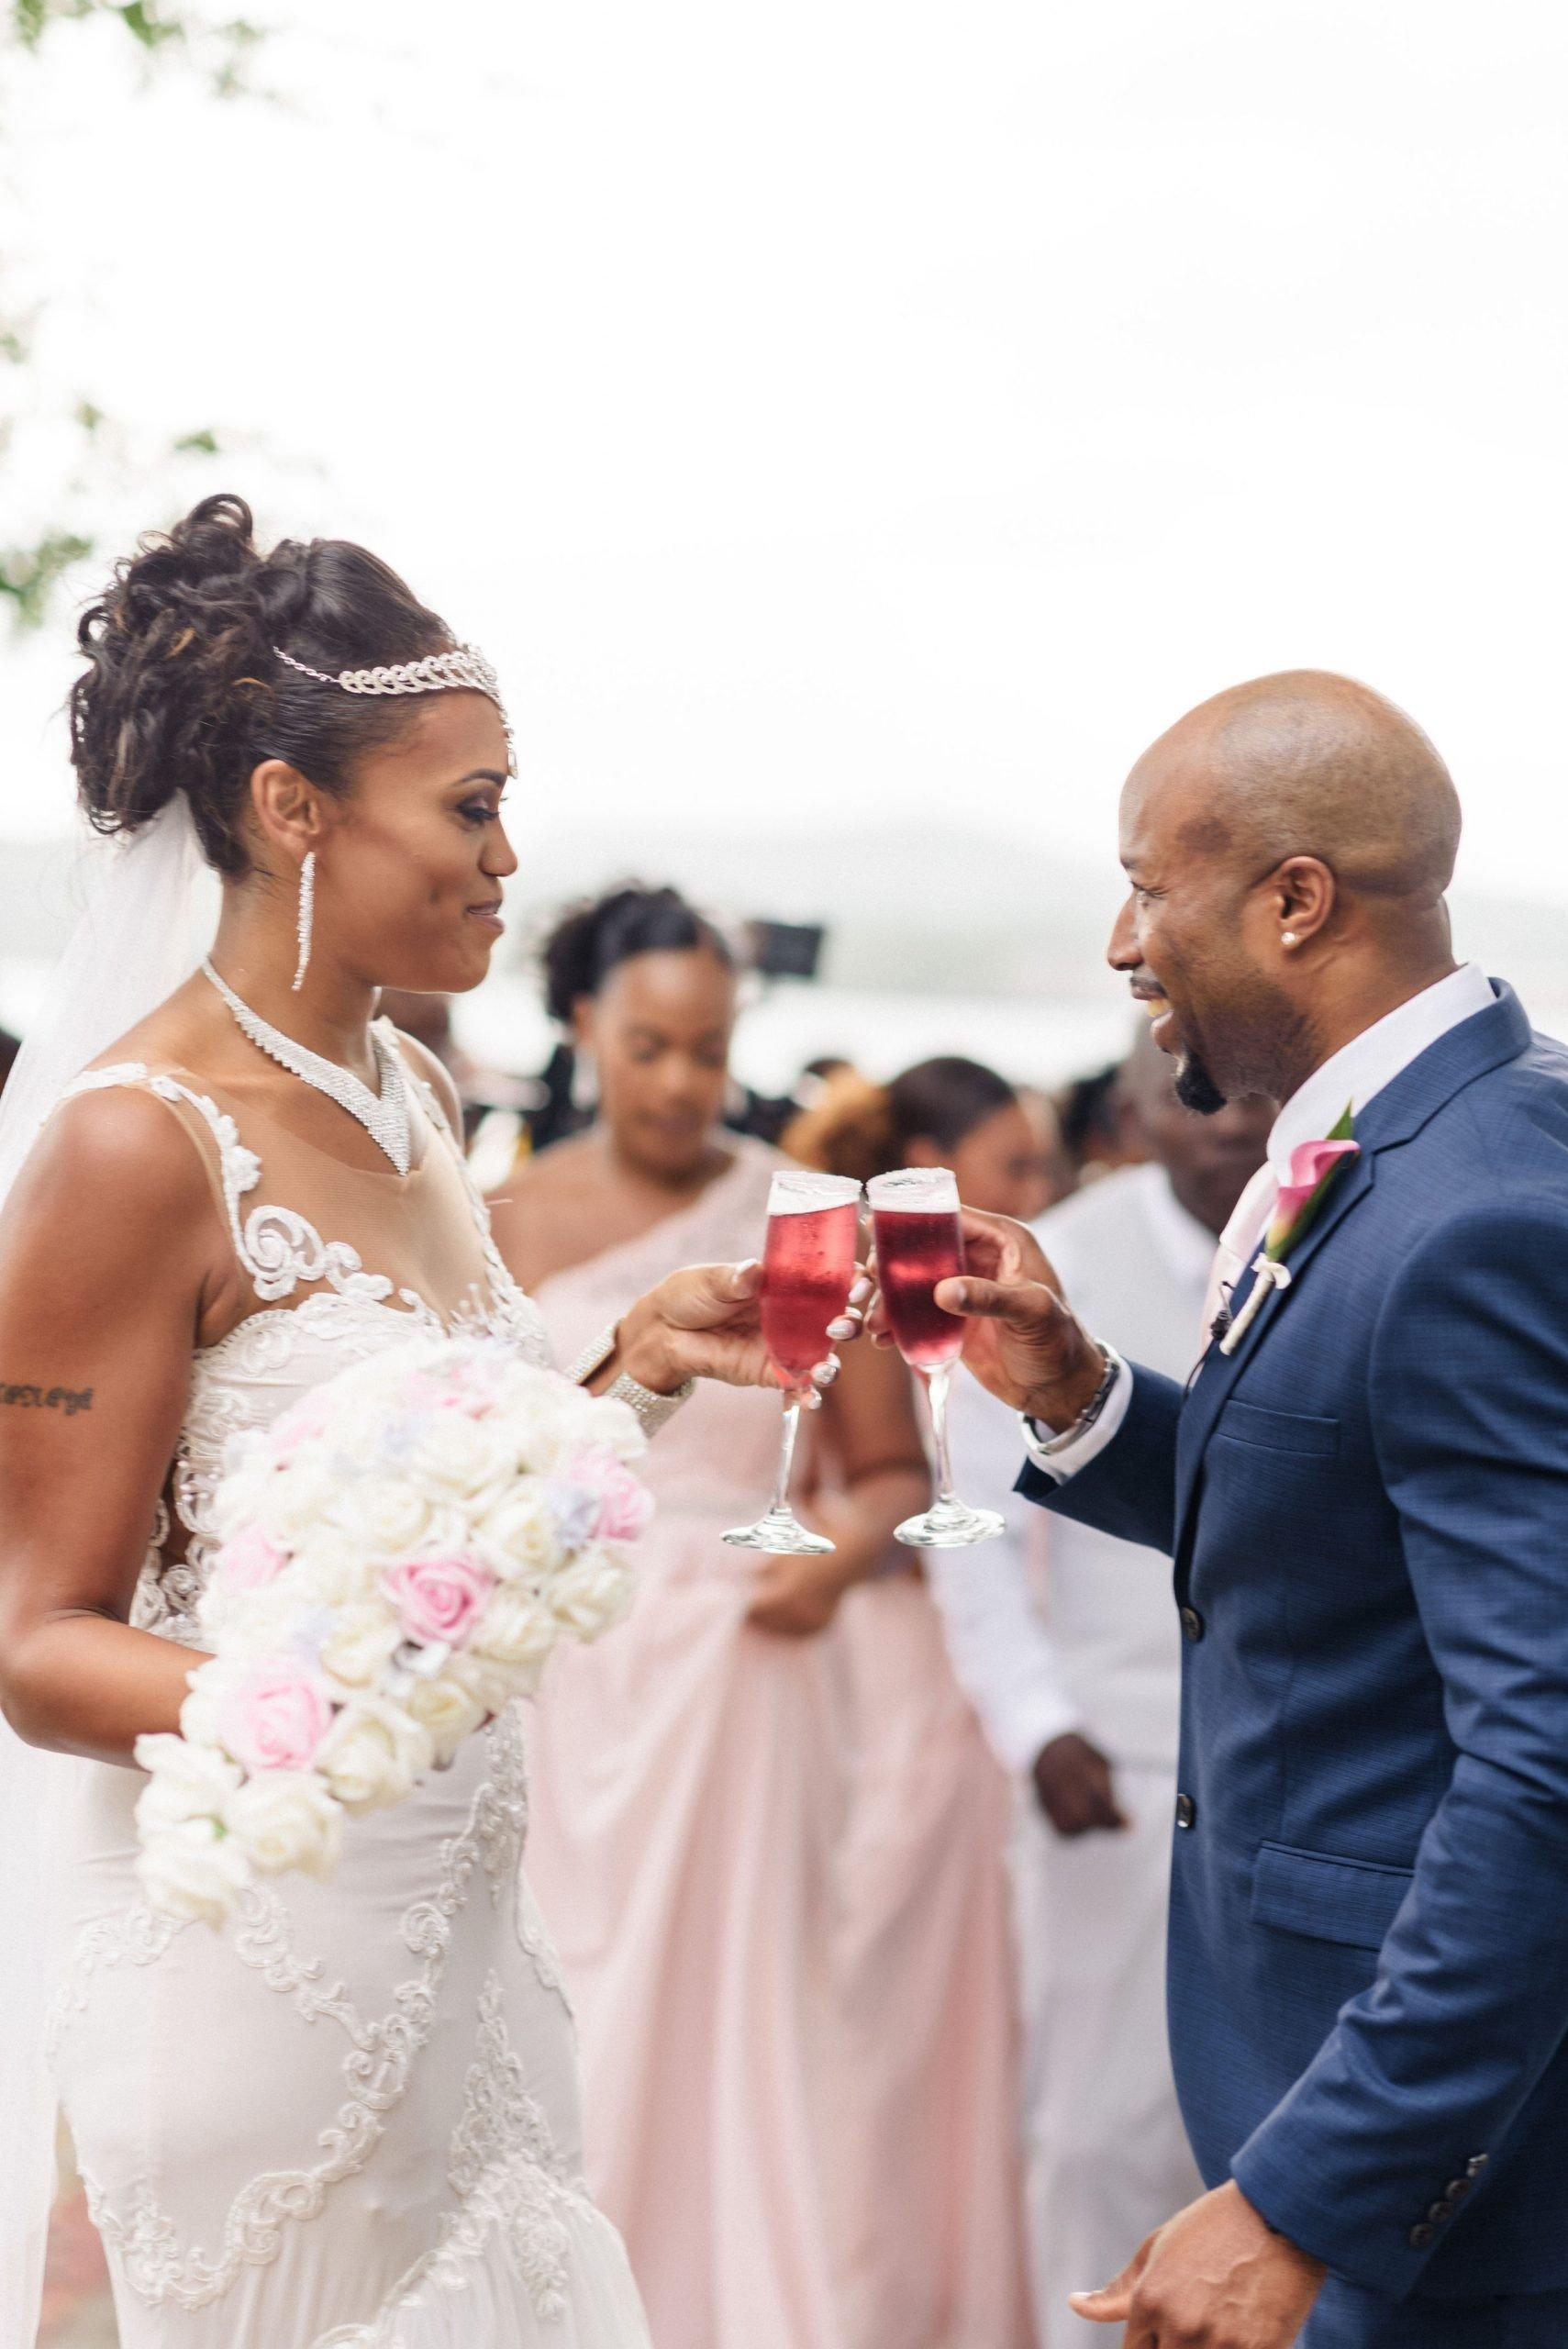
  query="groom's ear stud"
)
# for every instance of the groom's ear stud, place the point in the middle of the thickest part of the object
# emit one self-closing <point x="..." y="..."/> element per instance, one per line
<point x="1288" y="938"/>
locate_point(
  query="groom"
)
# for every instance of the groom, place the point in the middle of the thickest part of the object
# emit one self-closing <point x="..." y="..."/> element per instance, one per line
<point x="1366" y="1501"/>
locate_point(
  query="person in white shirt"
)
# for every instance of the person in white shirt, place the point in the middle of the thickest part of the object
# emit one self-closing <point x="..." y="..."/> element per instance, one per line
<point x="1066" y="1643"/>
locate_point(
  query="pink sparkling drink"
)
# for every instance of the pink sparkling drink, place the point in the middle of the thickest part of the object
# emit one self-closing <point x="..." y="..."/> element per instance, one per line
<point x="809" y="1268"/>
<point x="916" y="1248"/>
<point x="919" y="1241"/>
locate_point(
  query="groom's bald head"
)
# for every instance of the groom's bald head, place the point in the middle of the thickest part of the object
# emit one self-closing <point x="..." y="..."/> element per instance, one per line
<point x="1288" y="843"/>
<point x="1307" y="763"/>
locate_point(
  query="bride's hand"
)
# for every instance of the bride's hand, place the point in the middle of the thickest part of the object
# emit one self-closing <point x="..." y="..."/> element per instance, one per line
<point x="704" y="1322"/>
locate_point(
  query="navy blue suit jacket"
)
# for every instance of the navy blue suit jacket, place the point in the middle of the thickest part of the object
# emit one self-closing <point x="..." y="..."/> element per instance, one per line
<point x="1367" y="1508"/>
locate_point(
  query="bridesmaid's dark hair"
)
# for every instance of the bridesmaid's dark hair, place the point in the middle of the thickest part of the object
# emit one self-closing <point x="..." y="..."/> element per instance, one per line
<point x="859" y="1128"/>
<point x="593" y="939"/>
<point x="183" y="690"/>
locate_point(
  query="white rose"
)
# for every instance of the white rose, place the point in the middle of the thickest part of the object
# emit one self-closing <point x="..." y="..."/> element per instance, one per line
<point x="255" y="1622"/>
<point x="592" y="1595"/>
<point x="449" y="1709"/>
<point x="518" y="1630"/>
<point x="186" y="1782"/>
<point x="519" y="1536"/>
<point x="240" y="1499"/>
<point x="194" y="1871"/>
<point x="286" y="1819"/>
<point x="617" y="1426"/>
<point x="373" y="1752"/>
<point x="382" y="1516"/>
<point x="300" y="1496"/>
<point x="328" y="1569"/>
<point x="491" y="1686"/>
<point x="209" y="1685"/>
<point x="360" y="1645"/>
<point x="462" y="1457"/>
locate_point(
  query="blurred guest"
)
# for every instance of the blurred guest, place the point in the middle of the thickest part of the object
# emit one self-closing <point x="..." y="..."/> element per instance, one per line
<point x="1056" y="1175"/>
<point x="931" y="2203"/>
<point x="565" y="1092"/>
<point x="688" y="1773"/>
<point x="1079" y="1698"/>
<point x="1097" y="1133"/>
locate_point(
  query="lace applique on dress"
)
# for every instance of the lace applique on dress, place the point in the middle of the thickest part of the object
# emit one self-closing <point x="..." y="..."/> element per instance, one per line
<point x="375" y="2074"/>
<point x="511" y="2182"/>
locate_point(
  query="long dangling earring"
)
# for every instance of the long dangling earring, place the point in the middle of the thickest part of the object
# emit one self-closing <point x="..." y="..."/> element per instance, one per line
<point x="307" y="917"/>
<point x="585" y="1080"/>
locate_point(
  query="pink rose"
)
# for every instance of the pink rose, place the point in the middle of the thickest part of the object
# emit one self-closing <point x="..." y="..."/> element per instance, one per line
<point x="625" y="1505"/>
<point x="276" y="1716"/>
<point x="251" y="1560"/>
<point x="439" y="1600"/>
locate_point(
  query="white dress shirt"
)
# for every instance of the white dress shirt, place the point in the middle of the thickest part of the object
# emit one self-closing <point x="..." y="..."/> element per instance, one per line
<point x="1353" y="1076"/>
<point x="1056" y="1627"/>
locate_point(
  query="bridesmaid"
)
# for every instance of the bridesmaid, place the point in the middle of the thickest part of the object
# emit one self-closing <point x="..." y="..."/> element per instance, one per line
<point x="932" y="2189"/>
<point x="688" y="1774"/>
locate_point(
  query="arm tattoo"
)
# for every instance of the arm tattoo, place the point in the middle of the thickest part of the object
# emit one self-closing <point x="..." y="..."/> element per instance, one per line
<point x="69" y="1399"/>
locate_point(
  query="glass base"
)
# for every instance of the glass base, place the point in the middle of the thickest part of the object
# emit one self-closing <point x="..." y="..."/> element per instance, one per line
<point x="948" y="1525"/>
<point x="782" y="1533"/>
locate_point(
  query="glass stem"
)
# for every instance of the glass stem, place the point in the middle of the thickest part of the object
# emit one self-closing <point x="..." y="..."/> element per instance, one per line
<point x="780" y="1505"/>
<point x="937" y="1387"/>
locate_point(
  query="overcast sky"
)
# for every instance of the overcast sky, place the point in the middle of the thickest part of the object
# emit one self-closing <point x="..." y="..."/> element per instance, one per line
<point x="845" y="413"/>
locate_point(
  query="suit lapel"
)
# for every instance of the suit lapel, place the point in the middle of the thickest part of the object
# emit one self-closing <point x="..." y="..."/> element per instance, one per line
<point x="1396" y="1115"/>
<point x="1218" y="1373"/>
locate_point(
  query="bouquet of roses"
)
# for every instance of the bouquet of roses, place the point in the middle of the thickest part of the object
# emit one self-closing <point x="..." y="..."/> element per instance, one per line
<point x="400" y="1552"/>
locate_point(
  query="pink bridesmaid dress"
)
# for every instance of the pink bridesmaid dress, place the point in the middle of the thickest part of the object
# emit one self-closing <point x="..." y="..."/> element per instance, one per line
<point x="686" y="1804"/>
<point x="930" y="2187"/>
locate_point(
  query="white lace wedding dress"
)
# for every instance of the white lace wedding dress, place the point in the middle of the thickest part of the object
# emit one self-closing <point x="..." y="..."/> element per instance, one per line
<point x="352" y="2117"/>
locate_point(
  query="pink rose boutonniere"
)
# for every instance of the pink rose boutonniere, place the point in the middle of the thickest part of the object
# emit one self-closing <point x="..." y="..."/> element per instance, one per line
<point x="1314" y="1167"/>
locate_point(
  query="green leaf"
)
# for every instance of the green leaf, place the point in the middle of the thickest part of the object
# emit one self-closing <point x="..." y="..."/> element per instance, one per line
<point x="198" y="444"/>
<point x="28" y="576"/>
<point x="151" y="29"/>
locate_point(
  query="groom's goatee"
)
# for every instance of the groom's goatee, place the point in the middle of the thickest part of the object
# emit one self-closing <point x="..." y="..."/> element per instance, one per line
<point x="1196" y="1088"/>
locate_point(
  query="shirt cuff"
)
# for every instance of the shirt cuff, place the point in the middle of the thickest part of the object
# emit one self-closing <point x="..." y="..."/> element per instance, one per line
<point x="1030" y="1727"/>
<point x="1058" y="1460"/>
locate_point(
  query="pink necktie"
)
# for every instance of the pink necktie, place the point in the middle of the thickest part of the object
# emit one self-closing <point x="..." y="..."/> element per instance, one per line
<point x="1238" y="1244"/>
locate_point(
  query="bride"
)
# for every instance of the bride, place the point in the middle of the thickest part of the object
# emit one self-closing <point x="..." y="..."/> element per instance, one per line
<point x="351" y="2118"/>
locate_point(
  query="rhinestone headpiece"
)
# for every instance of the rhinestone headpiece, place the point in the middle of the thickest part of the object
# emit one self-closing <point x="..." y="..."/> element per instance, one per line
<point x="464" y="669"/>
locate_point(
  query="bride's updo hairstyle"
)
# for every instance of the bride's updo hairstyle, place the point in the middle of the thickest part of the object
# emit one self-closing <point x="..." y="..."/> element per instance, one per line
<point x="592" y="939"/>
<point x="184" y="691"/>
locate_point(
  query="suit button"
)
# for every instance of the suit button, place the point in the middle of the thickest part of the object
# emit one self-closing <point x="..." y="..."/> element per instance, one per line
<point x="1421" y="2236"/>
<point x="1186" y="1810"/>
<point x="1440" y="2212"/>
<point x="1192" y="1624"/>
<point x="1476" y="2164"/>
<point x="1457" y="2189"/>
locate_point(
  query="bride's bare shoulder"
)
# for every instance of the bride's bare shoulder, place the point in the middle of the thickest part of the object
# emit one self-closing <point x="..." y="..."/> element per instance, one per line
<point x="115" y="1184"/>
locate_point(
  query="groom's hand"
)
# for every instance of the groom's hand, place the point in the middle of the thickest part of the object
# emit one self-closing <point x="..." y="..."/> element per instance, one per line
<point x="1215" y="2277"/>
<point x="1022" y="1340"/>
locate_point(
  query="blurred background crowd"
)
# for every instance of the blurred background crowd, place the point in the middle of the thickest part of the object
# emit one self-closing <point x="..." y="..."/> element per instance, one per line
<point x="855" y="1864"/>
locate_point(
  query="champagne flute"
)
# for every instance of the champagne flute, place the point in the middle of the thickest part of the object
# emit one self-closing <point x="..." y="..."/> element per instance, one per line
<point x="808" y="1269"/>
<point x="918" y="1243"/>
